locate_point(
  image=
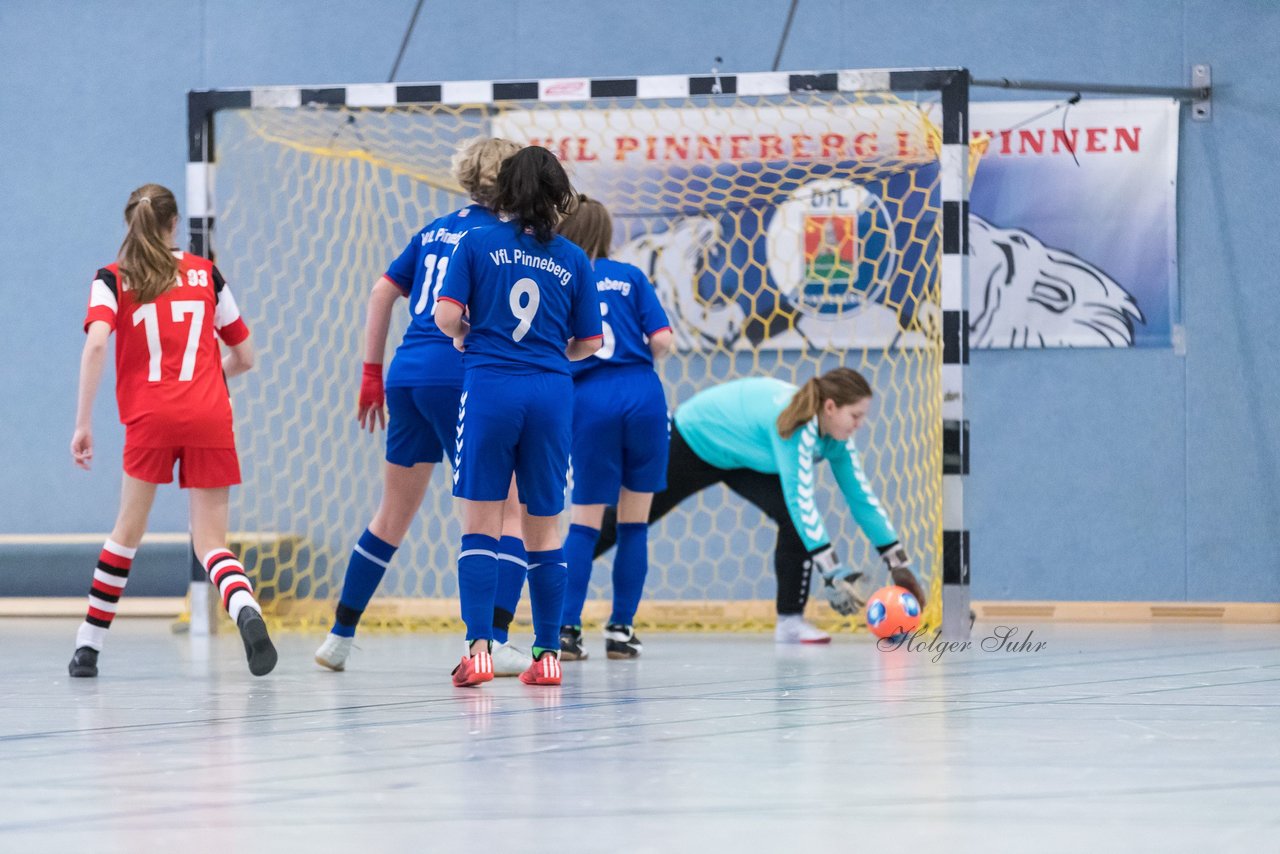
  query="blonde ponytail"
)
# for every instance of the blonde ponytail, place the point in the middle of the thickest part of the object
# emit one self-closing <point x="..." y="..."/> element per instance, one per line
<point x="843" y="385"/>
<point x="146" y="260"/>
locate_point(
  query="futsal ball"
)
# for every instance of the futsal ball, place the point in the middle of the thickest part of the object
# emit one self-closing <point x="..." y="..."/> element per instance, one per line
<point x="892" y="611"/>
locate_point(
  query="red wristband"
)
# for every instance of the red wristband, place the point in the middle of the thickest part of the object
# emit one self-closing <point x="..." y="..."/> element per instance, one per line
<point x="372" y="395"/>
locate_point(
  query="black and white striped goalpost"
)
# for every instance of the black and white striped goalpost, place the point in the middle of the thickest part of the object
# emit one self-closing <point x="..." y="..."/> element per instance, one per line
<point x="955" y="352"/>
<point x="952" y="84"/>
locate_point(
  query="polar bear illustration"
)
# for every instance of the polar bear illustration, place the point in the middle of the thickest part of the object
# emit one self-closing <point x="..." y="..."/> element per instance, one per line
<point x="1022" y="294"/>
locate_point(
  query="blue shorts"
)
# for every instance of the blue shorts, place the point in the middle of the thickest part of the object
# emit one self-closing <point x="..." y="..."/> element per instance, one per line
<point x="514" y="424"/>
<point x="620" y="434"/>
<point x="421" y="423"/>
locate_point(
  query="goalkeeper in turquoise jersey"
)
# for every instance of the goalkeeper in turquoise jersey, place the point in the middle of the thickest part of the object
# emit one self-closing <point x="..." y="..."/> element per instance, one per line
<point x="762" y="438"/>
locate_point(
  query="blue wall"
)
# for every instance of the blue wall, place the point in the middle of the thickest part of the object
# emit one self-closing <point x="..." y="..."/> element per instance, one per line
<point x="1096" y="475"/>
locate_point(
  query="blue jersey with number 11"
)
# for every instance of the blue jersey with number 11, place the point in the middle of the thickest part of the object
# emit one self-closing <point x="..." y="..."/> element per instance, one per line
<point x="426" y="356"/>
<point x="526" y="299"/>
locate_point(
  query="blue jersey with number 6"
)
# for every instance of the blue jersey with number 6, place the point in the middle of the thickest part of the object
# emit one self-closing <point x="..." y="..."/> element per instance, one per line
<point x="630" y="313"/>
<point x="525" y="298"/>
<point x="426" y="355"/>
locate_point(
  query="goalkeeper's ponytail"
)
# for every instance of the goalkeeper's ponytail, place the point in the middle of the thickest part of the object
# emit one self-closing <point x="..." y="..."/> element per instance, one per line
<point x="534" y="190"/>
<point x="803" y="406"/>
<point x="842" y="385"/>
<point x="146" y="260"/>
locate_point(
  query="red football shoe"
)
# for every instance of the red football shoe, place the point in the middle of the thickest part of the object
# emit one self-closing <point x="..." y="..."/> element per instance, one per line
<point x="545" y="670"/>
<point x="473" y="670"/>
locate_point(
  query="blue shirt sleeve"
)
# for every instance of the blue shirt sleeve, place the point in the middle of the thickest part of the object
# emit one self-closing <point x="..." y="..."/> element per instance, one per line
<point x="585" y="321"/>
<point x="402" y="269"/>
<point x="457" y="279"/>
<point x="652" y="315"/>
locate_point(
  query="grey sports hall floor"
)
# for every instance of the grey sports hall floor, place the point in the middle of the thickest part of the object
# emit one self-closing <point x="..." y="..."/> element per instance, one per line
<point x="1108" y="739"/>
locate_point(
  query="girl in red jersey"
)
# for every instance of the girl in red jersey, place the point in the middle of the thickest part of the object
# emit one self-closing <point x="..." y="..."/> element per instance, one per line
<point x="169" y="310"/>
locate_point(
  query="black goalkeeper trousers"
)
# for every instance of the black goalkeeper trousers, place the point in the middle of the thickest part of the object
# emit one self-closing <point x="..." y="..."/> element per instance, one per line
<point x="688" y="474"/>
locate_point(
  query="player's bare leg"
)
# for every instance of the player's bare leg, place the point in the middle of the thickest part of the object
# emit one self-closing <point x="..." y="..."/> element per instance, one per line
<point x="136" y="499"/>
<point x="111" y="574"/>
<point x="403" y="489"/>
<point x="402" y="493"/>
<point x="209" y="538"/>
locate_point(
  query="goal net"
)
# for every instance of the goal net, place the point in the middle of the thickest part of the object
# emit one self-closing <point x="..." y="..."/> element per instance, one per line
<point x="787" y="233"/>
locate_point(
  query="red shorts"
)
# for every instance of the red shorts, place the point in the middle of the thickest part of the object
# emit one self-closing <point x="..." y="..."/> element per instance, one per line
<point x="198" y="468"/>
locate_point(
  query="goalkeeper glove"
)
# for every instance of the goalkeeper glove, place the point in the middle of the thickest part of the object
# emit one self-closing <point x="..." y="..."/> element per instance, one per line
<point x="840" y="583"/>
<point x="899" y="565"/>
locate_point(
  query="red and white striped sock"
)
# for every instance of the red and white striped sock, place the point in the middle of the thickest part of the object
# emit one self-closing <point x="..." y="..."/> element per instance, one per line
<point x="104" y="595"/>
<point x="227" y="574"/>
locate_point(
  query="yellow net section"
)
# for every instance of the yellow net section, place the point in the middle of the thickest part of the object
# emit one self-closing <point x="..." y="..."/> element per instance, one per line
<point x="785" y="235"/>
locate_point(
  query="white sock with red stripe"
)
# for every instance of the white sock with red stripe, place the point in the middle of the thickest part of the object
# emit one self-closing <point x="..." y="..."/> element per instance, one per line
<point x="227" y="574"/>
<point x="109" y="579"/>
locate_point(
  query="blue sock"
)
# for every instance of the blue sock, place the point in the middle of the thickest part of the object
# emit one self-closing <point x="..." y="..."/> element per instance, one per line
<point x="546" y="596"/>
<point x="630" y="566"/>
<point x="513" y="566"/>
<point x="578" y="547"/>
<point x="477" y="583"/>
<point x="368" y="564"/>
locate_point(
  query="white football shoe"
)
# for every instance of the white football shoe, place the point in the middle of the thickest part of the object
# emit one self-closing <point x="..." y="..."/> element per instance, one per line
<point x="793" y="628"/>
<point x="334" y="651"/>
<point x="510" y="660"/>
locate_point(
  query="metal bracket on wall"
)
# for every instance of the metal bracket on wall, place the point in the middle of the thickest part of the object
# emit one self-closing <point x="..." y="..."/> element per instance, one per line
<point x="1202" y="79"/>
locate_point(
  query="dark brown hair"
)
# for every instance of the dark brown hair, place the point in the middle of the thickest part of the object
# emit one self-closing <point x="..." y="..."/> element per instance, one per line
<point x="534" y="190"/>
<point x="843" y="385"/>
<point x="146" y="260"/>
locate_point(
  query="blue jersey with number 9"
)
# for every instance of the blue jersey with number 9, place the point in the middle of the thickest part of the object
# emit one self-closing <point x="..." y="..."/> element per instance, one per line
<point x="426" y="355"/>
<point x="526" y="299"/>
